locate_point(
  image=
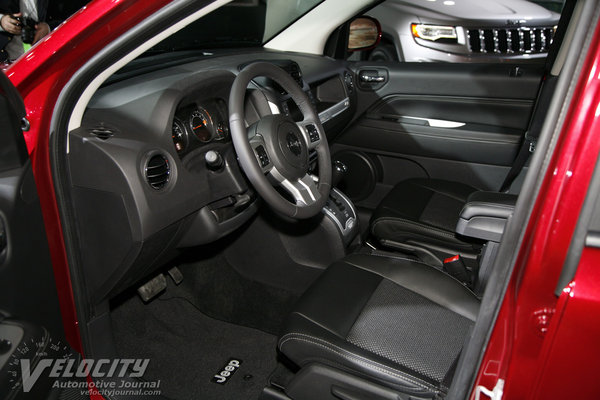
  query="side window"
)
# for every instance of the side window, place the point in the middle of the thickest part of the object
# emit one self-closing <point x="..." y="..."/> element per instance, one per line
<point x="482" y="31"/>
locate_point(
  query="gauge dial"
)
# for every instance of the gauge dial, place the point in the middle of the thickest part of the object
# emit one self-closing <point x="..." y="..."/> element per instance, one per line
<point x="179" y="134"/>
<point x="222" y="130"/>
<point x="37" y="347"/>
<point x="201" y="124"/>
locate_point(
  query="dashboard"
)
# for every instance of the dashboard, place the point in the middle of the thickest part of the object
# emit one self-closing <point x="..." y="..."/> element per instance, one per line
<point x="195" y="125"/>
<point x="141" y="177"/>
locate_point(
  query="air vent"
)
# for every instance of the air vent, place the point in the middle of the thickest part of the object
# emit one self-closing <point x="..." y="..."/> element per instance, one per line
<point x="102" y="132"/>
<point x="157" y="172"/>
<point x="294" y="70"/>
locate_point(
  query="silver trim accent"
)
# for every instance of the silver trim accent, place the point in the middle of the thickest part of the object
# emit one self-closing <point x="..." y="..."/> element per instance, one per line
<point x="437" y="123"/>
<point x="371" y="78"/>
<point x="496" y="41"/>
<point x="274" y="108"/>
<point x="460" y="35"/>
<point x="334" y="110"/>
<point x="521" y="41"/>
<point x="592" y="239"/>
<point x="482" y="40"/>
<point x="353" y="220"/>
<point x="370" y="245"/>
<point x="25" y="125"/>
<point x="304" y="190"/>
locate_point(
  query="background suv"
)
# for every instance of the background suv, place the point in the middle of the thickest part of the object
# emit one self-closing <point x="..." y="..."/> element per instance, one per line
<point x="464" y="30"/>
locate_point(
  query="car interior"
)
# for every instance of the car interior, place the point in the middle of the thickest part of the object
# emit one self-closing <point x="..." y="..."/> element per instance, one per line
<point x="327" y="226"/>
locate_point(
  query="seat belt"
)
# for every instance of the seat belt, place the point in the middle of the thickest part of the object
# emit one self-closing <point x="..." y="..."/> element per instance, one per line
<point x="533" y="132"/>
<point x="527" y="147"/>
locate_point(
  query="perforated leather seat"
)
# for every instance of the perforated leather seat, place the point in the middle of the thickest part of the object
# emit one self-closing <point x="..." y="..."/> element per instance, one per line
<point x="393" y="321"/>
<point x="424" y="213"/>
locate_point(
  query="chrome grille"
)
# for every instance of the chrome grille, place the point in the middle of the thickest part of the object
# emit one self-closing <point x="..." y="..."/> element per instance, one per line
<point x="524" y="40"/>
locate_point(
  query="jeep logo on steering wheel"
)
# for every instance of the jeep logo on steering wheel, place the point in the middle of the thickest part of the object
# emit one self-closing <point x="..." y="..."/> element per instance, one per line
<point x="293" y="144"/>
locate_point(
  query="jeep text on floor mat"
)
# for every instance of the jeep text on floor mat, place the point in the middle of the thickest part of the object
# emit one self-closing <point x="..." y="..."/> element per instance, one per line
<point x="227" y="371"/>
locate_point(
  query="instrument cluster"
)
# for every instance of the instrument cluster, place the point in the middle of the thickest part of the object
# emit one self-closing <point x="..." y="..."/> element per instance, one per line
<point x="195" y="125"/>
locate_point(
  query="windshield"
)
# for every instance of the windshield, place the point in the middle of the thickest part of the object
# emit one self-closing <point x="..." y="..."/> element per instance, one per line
<point x="241" y="23"/>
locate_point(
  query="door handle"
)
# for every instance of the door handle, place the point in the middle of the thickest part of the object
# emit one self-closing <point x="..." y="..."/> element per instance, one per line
<point x="372" y="78"/>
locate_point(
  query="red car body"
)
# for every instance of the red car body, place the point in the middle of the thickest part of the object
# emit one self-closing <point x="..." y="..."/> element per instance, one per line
<point x="542" y="346"/>
<point x="39" y="77"/>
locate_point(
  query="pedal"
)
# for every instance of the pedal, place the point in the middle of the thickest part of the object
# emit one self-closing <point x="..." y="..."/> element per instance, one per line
<point x="176" y="275"/>
<point x="152" y="288"/>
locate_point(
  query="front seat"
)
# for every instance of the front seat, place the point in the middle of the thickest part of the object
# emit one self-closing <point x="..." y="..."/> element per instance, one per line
<point x="375" y="323"/>
<point x="422" y="213"/>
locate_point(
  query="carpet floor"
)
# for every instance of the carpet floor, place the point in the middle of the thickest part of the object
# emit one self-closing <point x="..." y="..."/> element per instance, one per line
<point x="187" y="348"/>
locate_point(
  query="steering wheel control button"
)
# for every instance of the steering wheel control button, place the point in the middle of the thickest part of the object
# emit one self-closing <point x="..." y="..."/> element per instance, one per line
<point x="313" y="133"/>
<point x="214" y="160"/>
<point x="263" y="158"/>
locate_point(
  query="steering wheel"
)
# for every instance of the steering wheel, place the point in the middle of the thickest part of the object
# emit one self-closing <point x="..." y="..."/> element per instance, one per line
<point x="276" y="148"/>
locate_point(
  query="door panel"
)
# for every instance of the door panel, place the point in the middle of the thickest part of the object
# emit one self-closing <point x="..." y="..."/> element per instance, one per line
<point x="470" y="143"/>
<point x="462" y="122"/>
<point x="30" y="320"/>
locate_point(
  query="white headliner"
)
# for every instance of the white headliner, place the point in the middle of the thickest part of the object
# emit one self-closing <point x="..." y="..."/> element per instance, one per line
<point x="84" y="99"/>
<point x="309" y="33"/>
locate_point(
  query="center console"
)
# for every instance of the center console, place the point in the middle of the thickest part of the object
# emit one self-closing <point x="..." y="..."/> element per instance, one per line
<point x="341" y="211"/>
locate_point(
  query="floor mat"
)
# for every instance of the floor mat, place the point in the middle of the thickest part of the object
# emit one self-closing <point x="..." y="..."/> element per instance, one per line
<point x="187" y="349"/>
<point x="220" y="292"/>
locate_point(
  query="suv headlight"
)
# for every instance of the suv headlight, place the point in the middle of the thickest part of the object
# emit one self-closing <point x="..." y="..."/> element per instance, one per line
<point x="433" y="32"/>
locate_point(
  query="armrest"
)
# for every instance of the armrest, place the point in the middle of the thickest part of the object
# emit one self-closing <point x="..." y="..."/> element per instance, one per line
<point x="485" y="214"/>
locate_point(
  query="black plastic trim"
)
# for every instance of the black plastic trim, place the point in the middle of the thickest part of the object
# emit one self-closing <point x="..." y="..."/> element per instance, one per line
<point x="66" y="101"/>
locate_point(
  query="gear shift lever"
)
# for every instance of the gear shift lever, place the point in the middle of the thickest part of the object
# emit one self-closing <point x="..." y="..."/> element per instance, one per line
<point x="339" y="170"/>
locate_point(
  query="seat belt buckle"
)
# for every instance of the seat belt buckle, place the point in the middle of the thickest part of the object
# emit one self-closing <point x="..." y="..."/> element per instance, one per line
<point x="452" y="259"/>
<point x="455" y="266"/>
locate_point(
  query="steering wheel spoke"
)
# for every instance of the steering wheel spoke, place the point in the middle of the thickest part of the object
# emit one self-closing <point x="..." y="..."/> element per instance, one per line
<point x="304" y="190"/>
<point x="310" y="132"/>
<point x="260" y="152"/>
